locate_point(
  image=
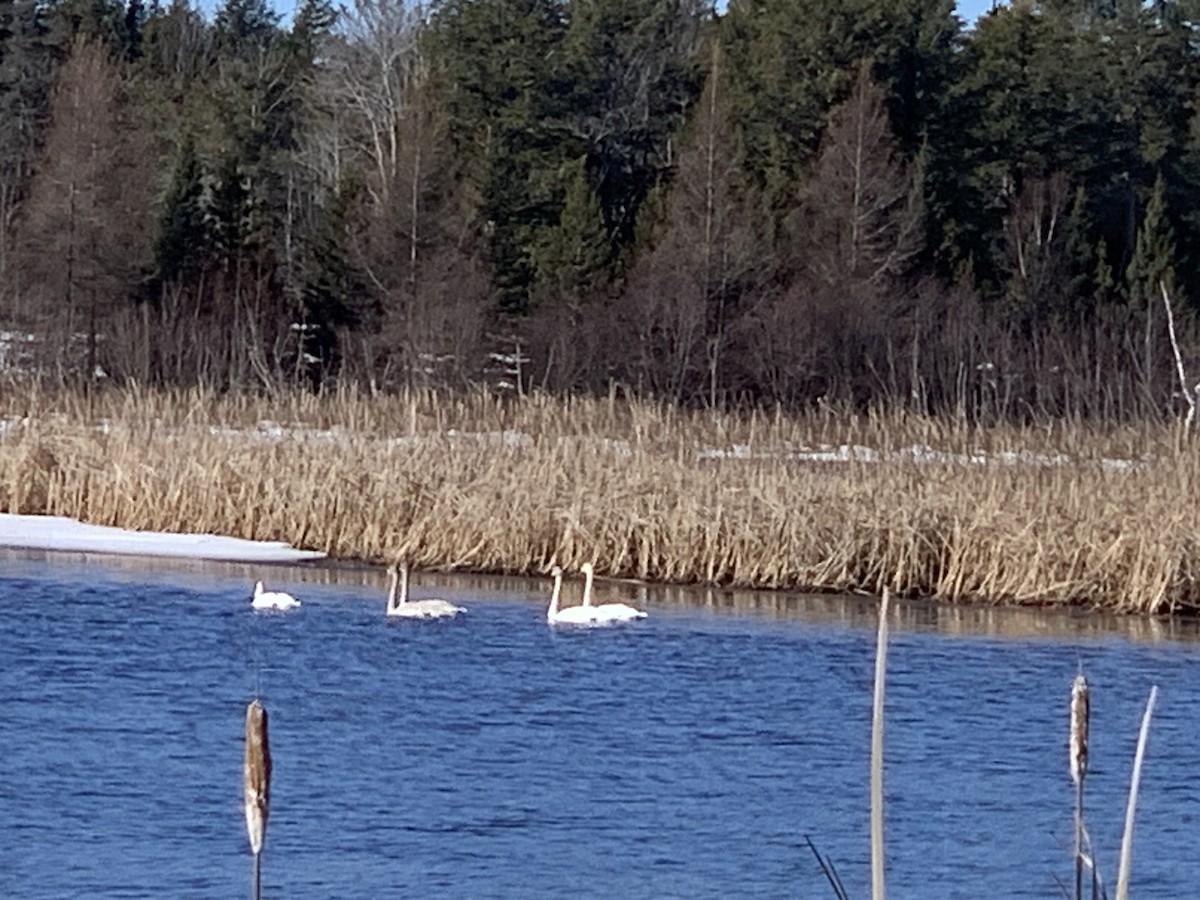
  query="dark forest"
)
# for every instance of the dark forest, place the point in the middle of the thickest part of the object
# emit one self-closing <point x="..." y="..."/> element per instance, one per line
<point x="785" y="203"/>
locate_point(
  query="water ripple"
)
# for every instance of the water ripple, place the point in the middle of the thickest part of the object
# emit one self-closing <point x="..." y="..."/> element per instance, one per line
<point x="686" y="756"/>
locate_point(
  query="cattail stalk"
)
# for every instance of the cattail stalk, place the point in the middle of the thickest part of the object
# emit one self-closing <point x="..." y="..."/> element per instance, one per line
<point x="1080" y="711"/>
<point x="1131" y="808"/>
<point x="256" y="786"/>
<point x="877" y="859"/>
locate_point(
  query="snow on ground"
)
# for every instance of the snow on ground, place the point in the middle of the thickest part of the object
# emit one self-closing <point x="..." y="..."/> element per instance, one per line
<point x="59" y="533"/>
<point x="267" y="431"/>
<point x="916" y="453"/>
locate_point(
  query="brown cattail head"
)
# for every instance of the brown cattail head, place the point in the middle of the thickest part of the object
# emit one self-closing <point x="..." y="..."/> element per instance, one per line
<point x="256" y="775"/>
<point x="1079" y="729"/>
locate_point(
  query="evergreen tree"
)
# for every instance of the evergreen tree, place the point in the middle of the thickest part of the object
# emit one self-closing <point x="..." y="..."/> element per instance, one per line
<point x="105" y="22"/>
<point x="1099" y="93"/>
<point x="570" y="263"/>
<point x="1152" y="266"/>
<point x="26" y="71"/>
<point x="182" y="248"/>
<point x="626" y="77"/>
<point x="1154" y="254"/>
<point x="1012" y="108"/>
<point x="333" y="293"/>
<point x="491" y="61"/>
<point x="570" y="259"/>
<point x="312" y="24"/>
<point x="243" y="27"/>
<point x="792" y="61"/>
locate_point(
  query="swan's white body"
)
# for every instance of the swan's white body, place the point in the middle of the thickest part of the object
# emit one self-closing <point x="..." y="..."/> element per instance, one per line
<point x="606" y="613"/>
<point x="272" y="599"/>
<point x="572" y="615"/>
<point x="403" y="608"/>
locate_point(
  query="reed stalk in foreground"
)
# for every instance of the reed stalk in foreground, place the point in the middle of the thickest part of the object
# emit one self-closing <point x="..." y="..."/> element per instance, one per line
<point x="1078" y="749"/>
<point x="1131" y="808"/>
<point x="256" y="787"/>
<point x="829" y="870"/>
<point x="877" y="858"/>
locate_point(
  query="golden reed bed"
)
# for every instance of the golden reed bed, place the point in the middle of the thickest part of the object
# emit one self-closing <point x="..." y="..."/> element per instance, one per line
<point x="1057" y="514"/>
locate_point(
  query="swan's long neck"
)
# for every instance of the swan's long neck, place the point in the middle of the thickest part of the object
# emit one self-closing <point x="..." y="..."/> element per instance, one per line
<point x="403" y="584"/>
<point x="553" y="610"/>
<point x="391" y="601"/>
<point x="258" y="589"/>
<point x="587" y="586"/>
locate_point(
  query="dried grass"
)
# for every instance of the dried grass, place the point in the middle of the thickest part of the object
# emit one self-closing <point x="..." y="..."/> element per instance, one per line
<point x="473" y="482"/>
<point x="1126" y="861"/>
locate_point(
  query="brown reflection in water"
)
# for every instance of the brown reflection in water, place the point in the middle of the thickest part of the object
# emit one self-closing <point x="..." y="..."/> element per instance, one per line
<point x="859" y="611"/>
<point x="848" y="610"/>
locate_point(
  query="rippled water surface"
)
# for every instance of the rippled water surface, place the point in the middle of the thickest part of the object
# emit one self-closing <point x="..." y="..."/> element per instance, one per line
<point x="687" y="755"/>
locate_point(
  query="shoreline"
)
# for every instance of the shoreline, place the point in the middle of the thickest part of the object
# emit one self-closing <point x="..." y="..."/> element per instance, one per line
<point x="1057" y="515"/>
<point x="64" y="534"/>
<point x="350" y="580"/>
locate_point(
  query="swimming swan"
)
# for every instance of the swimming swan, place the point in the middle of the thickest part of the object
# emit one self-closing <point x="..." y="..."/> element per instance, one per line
<point x="606" y="612"/>
<point x="403" y="608"/>
<point x="272" y="599"/>
<point x="572" y="615"/>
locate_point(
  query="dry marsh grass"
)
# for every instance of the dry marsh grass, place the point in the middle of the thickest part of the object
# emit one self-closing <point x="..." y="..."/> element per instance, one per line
<point x="1038" y="515"/>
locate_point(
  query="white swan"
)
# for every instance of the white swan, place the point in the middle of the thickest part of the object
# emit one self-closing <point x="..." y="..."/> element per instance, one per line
<point x="272" y="599"/>
<point x="403" y="608"/>
<point x="572" y="615"/>
<point x="606" y="612"/>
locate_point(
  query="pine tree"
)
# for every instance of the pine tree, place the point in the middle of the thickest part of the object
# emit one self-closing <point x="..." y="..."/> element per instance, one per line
<point x="625" y="78"/>
<point x="792" y="63"/>
<point x="183" y="246"/>
<point x="571" y="269"/>
<point x="1152" y="265"/>
<point x="570" y="260"/>
<point x="104" y="22"/>
<point x="26" y="57"/>
<point x="334" y="292"/>
<point x="1100" y="94"/>
<point x="491" y="61"/>
<point x="1154" y="253"/>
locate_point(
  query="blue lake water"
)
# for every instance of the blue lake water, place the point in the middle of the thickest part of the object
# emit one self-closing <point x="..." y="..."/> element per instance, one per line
<point x="687" y="755"/>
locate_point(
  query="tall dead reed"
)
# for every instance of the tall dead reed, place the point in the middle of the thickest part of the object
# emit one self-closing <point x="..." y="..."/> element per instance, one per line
<point x="878" y="860"/>
<point x="1058" y="514"/>
<point x="256" y="787"/>
<point x="1126" y="863"/>
<point x="1078" y="750"/>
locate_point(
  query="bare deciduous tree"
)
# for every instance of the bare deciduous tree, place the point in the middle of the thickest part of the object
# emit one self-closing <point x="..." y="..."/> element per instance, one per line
<point x="862" y="207"/>
<point x="1034" y="236"/>
<point x="858" y="233"/>
<point x="684" y="290"/>
<point x="373" y="75"/>
<point x="82" y="237"/>
<point x="378" y="124"/>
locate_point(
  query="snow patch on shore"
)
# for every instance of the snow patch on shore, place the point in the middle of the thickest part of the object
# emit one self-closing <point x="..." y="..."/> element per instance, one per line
<point x="917" y="453"/>
<point x="71" y="535"/>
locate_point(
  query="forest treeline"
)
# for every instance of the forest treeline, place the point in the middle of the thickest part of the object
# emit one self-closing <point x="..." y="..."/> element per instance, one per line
<point x="785" y="202"/>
